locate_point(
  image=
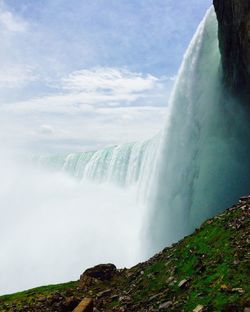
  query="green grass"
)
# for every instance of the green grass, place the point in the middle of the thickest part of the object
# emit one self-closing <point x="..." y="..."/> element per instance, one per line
<point x="37" y="292"/>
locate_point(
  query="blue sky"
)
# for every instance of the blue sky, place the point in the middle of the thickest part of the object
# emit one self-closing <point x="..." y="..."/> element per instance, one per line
<point x="83" y="74"/>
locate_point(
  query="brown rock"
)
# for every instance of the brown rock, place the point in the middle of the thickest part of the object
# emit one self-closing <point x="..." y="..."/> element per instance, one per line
<point x="101" y="272"/>
<point x="86" y="305"/>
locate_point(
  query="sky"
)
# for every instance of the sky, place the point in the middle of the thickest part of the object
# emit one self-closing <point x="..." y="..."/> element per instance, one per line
<point x="83" y="74"/>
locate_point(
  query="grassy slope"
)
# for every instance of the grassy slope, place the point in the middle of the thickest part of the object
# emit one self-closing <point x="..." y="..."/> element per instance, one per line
<point x="214" y="261"/>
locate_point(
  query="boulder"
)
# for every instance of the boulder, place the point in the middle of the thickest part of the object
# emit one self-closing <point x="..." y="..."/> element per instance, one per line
<point x="101" y="272"/>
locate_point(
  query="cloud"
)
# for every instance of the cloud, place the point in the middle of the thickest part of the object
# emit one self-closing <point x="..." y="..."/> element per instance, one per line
<point x="15" y="76"/>
<point x="85" y="90"/>
<point x="89" y="109"/>
<point x="109" y="80"/>
<point x="10" y="22"/>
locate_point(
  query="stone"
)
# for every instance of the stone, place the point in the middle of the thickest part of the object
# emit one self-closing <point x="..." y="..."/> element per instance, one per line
<point x="199" y="308"/>
<point x="183" y="283"/>
<point x="246" y="309"/>
<point x="101" y="272"/>
<point x="170" y="279"/>
<point x="86" y="305"/>
<point x="236" y="262"/>
<point x="239" y="290"/>
<point x="42" y="299"/>
<point x="104" y="293"/>
<point x="125" y="298"/>
<point x="154" y="297"/>
<point x="165" y="305"/>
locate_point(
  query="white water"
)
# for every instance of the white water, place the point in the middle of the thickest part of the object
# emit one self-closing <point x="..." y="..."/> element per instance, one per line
<point x="122" y="165"/>
<point x="204" y="158"/>
<point x="91" y="207"/>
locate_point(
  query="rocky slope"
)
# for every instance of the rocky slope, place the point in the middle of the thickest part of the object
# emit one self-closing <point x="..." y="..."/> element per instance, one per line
<point x="234" y="38"/>
<point x="206" y="271"/>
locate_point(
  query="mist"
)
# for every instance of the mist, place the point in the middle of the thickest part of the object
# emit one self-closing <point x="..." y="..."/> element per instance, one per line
<point x="52" y="226"/>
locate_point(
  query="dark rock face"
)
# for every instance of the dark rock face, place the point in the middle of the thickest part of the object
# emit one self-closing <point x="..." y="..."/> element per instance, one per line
<point x="234" y="39"/>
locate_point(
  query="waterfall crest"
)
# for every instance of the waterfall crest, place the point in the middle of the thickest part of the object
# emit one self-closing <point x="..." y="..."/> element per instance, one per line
<point x="123" y="165"/>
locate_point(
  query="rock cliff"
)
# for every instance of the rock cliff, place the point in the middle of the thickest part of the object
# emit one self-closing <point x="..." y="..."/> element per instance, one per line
<point x="234" y="38"/>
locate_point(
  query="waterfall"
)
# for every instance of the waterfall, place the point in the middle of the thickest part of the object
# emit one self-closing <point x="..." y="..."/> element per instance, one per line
<point x="192" y="170"/>
<point x="122" y="165"/>
<point x="196" y="167"/>
<point x="204" y="157"/>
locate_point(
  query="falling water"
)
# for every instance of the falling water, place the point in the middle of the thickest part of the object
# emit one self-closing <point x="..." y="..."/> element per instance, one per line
<point x="204" y="159"/>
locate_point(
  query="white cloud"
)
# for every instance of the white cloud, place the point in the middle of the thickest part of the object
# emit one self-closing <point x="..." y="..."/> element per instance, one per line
<point x="11" y="22"/>
<point x="85" y="90"/>
<point x="92" y="109"/>
<point x="109" y="80"/>
<point x="15" y="76"/>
